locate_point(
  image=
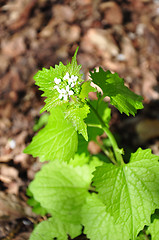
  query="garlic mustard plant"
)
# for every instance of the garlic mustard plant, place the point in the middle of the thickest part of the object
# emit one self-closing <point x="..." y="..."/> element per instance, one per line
<point x="106" y="196"/>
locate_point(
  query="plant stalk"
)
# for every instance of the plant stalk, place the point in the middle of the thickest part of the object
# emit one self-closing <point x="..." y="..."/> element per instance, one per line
<point x="110" y="155"/>
<point x="117" y="151"/>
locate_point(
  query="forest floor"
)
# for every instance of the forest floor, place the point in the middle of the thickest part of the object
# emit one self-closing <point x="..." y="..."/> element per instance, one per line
<point x="122" y="36"/>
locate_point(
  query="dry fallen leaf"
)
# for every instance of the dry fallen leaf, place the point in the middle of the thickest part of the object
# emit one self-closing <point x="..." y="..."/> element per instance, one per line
<point x="102" y="40"/>
<point x="112" y="13"/>
<point x="148" y="129"/>
<point x="11" y="207"/>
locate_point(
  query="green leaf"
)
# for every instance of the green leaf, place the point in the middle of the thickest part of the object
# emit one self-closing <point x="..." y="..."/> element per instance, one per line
<point x="79" y="160"/>
<point x="45" y="80"/>
<point x="82" y="145"/>
<point x="142" y="236"/>
<point x="102" y="109"/>
<point x="95" y="162"/>
<point x="62" y="189"/>
<point x="54" y="228"/>
<point x="120" y="96"/>
<point x="58" y="140"/>
<point x="91" y="161"/>
<point x="99" y="225"/>
<point x="105" y="113"/>
<point x="155" y="215"/>
<point x="86" y="88"/>
<point x="42" y="121"/>
<point x="131" y="191"/>
<point x="154" y="230"/>
<point x="36" y="207"/>
<point x="76" y="114"/>
<point x="73" y="68"/>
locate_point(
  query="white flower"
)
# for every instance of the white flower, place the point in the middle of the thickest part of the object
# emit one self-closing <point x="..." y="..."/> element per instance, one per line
<point x="57" y="88"/>
<point x="74" y="78"/>
<point x="57" y="80"/>
<point x="72" y="84"/>
<point x="69" y="81"/>
<point x="70" y="92"/>
<point x="66" y="77"/>
<point x="64" y="96"/>
<point x="65" y="93"/>
<point x="67" y="88"/>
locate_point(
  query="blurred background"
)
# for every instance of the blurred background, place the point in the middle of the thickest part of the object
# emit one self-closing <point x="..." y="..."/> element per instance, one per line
<point x="121" y="36"/>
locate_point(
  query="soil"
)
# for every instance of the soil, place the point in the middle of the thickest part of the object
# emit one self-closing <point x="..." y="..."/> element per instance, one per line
<point x="121" y="36"/>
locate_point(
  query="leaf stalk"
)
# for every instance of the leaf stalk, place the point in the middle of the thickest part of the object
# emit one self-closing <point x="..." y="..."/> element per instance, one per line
<point x="117" y="151"/>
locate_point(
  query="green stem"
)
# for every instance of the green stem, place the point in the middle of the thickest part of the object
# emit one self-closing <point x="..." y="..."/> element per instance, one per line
<point x="107" y="153"/>
<point x="94" y="125"/>
<point x="117" y="151"/>
<point x="100" y="99"/>
<point x="110" y="156"/>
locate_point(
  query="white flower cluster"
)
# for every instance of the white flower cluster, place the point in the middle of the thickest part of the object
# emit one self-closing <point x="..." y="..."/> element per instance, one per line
<point x="66" y="92"/>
